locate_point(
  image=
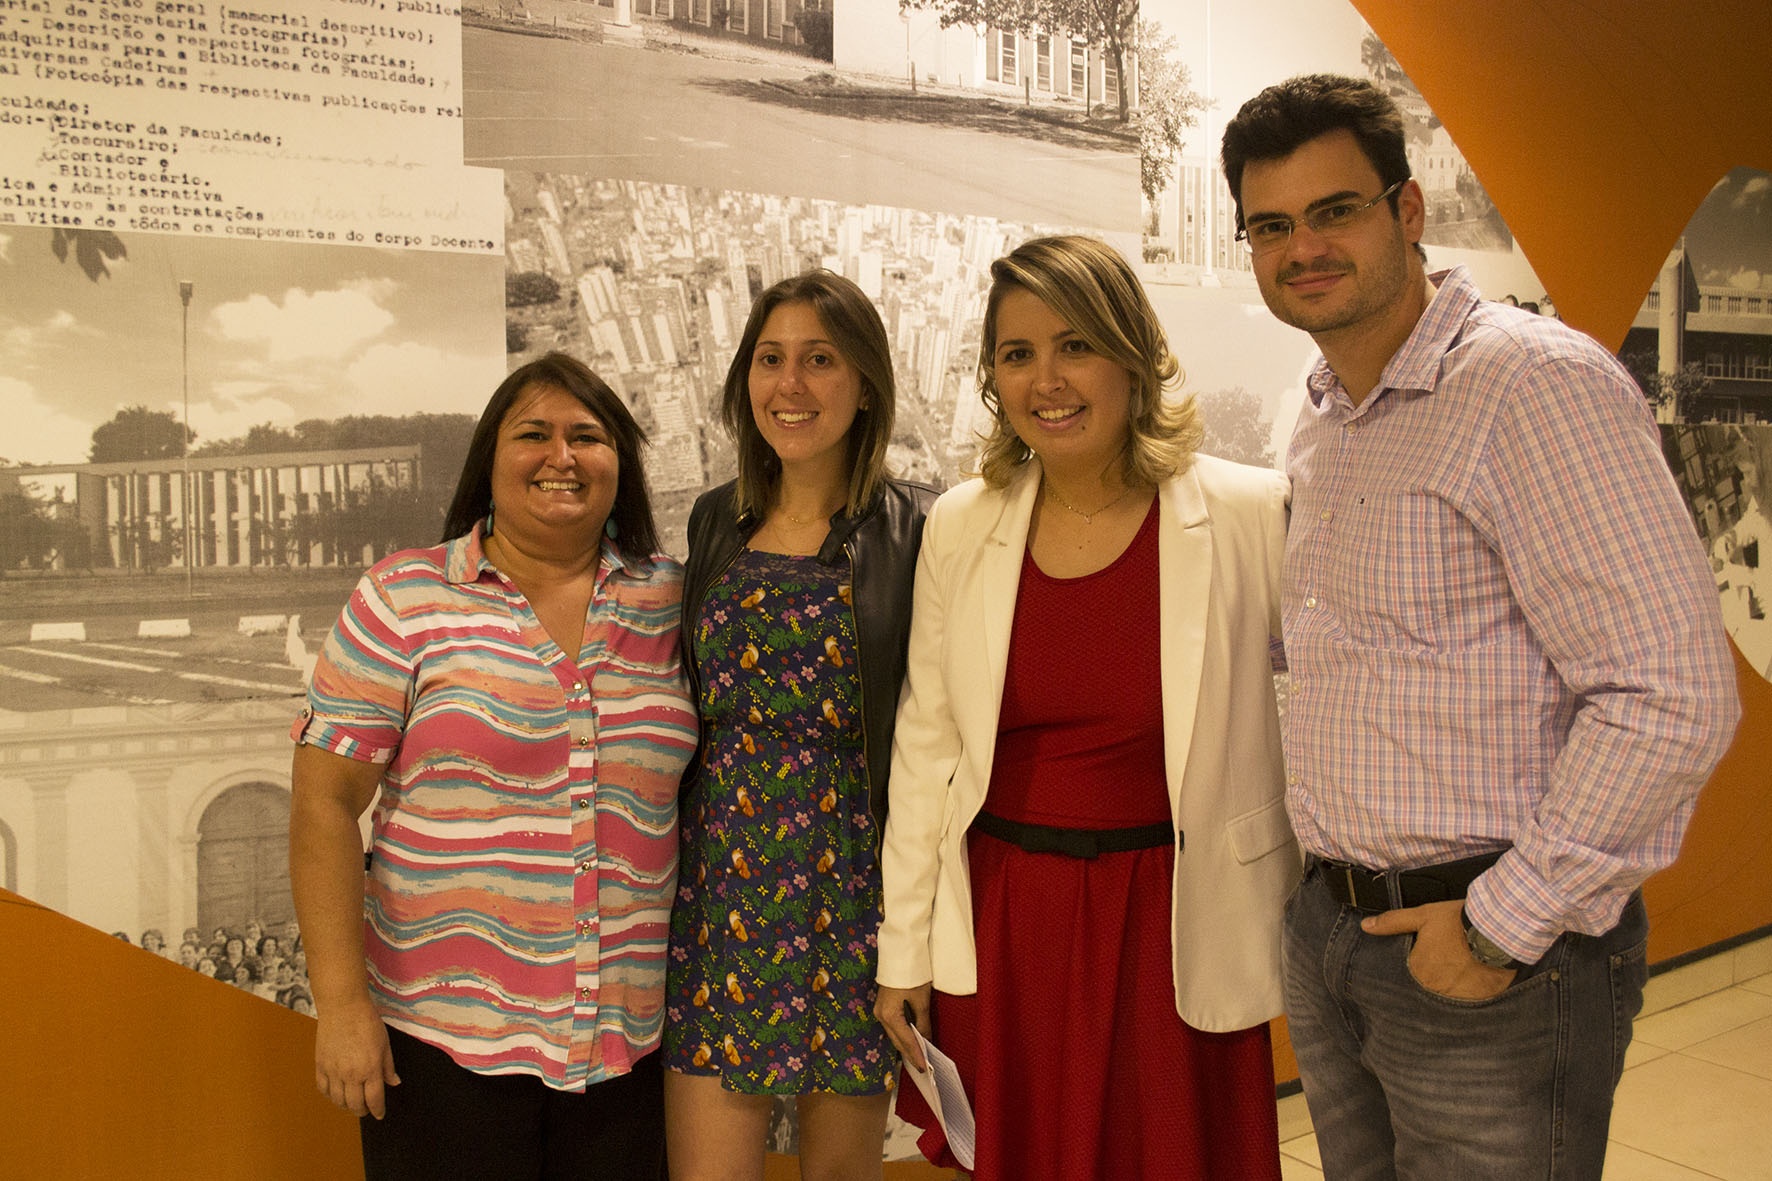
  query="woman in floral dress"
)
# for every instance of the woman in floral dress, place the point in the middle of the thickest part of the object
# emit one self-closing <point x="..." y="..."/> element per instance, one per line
<point x="796" y="615"/>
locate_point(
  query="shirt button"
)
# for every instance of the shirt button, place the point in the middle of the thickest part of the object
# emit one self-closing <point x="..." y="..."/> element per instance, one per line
<point x="1311" y="602"/>
<point x="584" y="994"/>
<point x="584" y="741"/>
<point x="584" y="926"/>
<point x="585" y="803"/>
<point x="584" y="867"/>
<point x="1292" y="779"/>
<point x="1326" y="514"/>
<point x="1352" y="427"/>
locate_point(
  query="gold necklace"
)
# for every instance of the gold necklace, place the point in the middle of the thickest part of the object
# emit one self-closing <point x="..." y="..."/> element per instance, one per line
<point x="792" y="544"/>
<point x="1088" y="518"/>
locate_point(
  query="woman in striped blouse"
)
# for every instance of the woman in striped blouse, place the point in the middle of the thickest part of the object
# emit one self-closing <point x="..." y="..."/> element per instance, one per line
<point x="490" y="993"/>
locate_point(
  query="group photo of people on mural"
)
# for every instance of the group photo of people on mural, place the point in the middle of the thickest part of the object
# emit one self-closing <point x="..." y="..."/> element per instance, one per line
<point x="657" y="842"/>
<point x="266" y="960"/>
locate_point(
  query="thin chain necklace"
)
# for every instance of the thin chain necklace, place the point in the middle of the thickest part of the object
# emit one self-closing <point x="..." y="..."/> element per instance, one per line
<point x="791" y="544"/>
<point x="822" y="520"/>
<point x="1088" y="518"/>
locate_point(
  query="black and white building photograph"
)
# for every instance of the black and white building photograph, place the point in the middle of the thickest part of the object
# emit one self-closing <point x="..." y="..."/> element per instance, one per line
<point x="209" y="442"/>
<point x="806" y="99"/>
<point x="1189" y="217"/>
<point x="1724" y="472"/>
<point x="1701" y="344"/>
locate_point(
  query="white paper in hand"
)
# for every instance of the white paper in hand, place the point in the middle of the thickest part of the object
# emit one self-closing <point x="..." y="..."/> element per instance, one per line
<point x="941" y="1088"/>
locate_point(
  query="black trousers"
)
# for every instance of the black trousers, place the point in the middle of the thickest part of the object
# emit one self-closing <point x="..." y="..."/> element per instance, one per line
<point x="444" y="1122"/>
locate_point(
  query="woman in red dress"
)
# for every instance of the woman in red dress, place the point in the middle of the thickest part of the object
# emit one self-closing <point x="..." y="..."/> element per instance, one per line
<point x="1087" y="851"/>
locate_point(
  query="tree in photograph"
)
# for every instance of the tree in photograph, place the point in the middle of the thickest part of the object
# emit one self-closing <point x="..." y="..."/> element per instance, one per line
<point x="1108" y="23"/>
<point x="817" y="31"/>
<point x="23" y="532"/>
<point x="135" y="432"/>
<point x="365" y="523"/>
<point x="1168" y="106"/>
<point x="149" y="543"/>
<point x="1236" y="429"/>
<point x="1382" y="65"/>
<point x="1112" y="23"/>
<point x="1017" y="15"/>
<point x="94" y="250"/>
<point x="528" y="288"/>
<point x="1672" y="395"/>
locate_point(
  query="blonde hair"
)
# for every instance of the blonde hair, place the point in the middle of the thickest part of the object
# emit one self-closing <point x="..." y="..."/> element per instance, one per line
<point x="1089" y="286"/>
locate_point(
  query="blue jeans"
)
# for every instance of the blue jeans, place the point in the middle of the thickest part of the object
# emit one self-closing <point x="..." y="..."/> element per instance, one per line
<point x="1406" y="1083"/>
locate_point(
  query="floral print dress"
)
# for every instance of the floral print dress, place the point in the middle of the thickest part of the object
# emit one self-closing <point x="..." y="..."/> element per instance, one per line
<point x="773" y="936"/>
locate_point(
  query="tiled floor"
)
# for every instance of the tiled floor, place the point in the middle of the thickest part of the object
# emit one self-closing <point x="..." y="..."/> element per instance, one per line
<point x="1696" y="1100"/>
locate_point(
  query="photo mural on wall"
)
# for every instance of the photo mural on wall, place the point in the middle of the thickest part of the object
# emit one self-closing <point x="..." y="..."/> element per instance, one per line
<point x="1213" y="57"/>
<point x="1701" y="344"/>
<point x="1726" y="473"/>
<point x="213" y="431"/>
<point x="153" y="655"/>
<point x="743" y="103"/>
<point x="1700" y="347"/>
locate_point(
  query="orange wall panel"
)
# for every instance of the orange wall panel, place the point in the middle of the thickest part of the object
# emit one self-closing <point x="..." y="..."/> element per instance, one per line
<point x="119" y="1064"/>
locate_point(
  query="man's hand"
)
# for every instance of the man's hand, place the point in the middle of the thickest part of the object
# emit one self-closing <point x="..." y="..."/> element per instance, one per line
<point x="1441" y="960"/>
<point x="352" y="1061"/>
<point x="890" y="1006"/>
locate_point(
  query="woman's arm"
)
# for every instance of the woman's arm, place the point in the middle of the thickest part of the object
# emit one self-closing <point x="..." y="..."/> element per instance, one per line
<point x="926" y="749"/>
<point x="352" y="1062"/>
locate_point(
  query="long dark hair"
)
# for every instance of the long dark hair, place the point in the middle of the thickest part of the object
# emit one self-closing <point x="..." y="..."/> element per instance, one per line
<point x="632" y="511"/>
<point x="853" y="323"/>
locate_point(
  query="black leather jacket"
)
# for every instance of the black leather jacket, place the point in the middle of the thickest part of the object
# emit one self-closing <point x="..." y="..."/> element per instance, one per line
<point x="880" y="546"/>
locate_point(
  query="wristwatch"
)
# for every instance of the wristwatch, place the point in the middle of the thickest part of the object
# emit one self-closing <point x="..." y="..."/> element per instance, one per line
<point x="1484" y="949"/>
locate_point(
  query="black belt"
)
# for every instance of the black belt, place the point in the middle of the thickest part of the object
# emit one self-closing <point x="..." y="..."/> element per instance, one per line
<point x="1076" y="842"/>
<point x="1371" y="889"/>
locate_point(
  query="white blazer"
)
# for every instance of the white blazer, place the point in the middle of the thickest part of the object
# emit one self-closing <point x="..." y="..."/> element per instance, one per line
<point x="1221" y="537"/>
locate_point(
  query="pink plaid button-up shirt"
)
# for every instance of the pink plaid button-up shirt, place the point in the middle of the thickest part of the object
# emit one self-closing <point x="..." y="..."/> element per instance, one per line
<point x="1501" y="626"/>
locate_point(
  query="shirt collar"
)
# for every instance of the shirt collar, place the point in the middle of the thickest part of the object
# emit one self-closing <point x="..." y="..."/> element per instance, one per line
<point x="1415" y="366"/>
<point x="466" y="560"/>
<point x="465" y="556"/>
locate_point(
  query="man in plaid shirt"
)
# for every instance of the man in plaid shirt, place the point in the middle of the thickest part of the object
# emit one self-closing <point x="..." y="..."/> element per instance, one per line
<point x="1509" y="674"/>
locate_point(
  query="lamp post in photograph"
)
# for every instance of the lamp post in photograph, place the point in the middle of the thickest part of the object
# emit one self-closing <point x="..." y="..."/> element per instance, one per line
<point x="184" y="450"/>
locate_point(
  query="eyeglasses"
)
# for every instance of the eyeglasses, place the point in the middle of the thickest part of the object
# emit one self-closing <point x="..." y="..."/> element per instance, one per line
<point x="1272" y="233"/>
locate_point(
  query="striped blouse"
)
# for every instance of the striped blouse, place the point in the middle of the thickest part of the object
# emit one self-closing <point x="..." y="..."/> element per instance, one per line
<point x="525" y="838"/>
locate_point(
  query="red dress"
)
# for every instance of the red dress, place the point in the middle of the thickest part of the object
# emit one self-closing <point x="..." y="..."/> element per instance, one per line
<point x="1071" y="1050"/>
